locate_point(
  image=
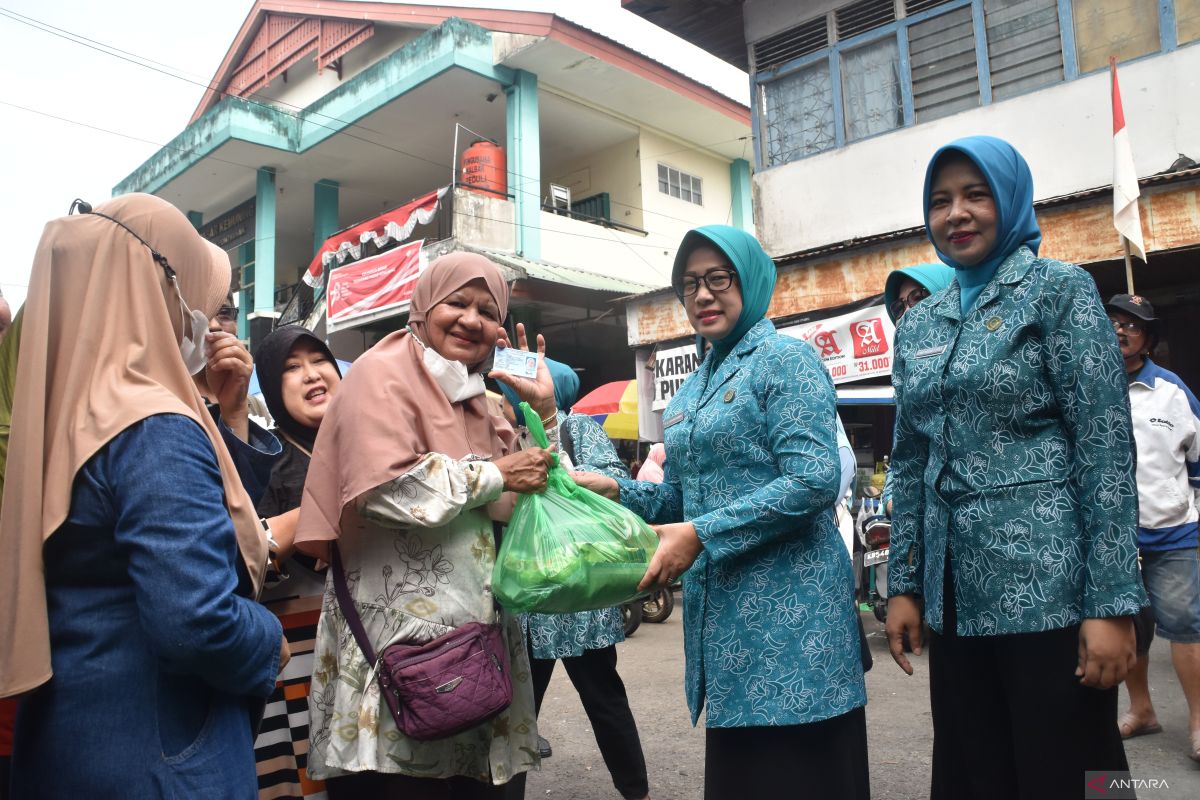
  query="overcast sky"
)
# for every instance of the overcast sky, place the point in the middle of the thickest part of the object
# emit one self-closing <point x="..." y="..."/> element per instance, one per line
<point x="47" y="162"/>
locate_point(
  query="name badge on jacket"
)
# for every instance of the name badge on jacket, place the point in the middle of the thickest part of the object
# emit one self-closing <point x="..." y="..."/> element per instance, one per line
<point x="930" y="352"/>
<point x="674" y="419"/>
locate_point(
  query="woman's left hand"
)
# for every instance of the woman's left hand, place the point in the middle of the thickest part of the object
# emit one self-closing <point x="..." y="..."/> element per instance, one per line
<point x="1107" y="651"/>
<point x="228" y="374"/>
<point x="678" y="546"/>
<point x="538" y="392"/>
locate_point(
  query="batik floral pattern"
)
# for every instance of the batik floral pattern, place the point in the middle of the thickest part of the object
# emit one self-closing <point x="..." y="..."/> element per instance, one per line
<point x="1014" y="453"/>
<point x="770" y="636"/>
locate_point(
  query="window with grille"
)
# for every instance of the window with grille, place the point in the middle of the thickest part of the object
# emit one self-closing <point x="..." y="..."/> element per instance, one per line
<point x="798" y="114"/>
<point x="945" y="74"/>
<point x="679" y="184"/>
<point x="1024" y="45"/>
<point x="1122" y="28"/>
<point x="871" y="89"/>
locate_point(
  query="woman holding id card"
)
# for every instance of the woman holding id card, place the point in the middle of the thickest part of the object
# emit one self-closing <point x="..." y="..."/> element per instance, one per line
<point x="752" y="469"/>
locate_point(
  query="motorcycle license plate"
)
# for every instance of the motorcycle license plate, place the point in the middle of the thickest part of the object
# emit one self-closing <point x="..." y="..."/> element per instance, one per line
<point x="875" y="557"/>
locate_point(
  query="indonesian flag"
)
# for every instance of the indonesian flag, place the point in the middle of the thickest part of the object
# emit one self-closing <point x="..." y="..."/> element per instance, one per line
<point x="394" y="226"/>
<point x="1126" y="218"/>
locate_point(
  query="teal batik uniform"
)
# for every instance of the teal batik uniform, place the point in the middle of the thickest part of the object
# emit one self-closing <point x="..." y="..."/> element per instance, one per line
<point x="1014" y="449"/>
<point x="1014" y="446"/>
<point x="770" y="636"/>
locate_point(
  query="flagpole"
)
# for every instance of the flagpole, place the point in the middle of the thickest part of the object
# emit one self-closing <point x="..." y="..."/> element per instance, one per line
<point x="1128" y="267"/>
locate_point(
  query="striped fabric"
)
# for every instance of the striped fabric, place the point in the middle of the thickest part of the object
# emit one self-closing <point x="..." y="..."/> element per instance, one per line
<point x="281" y="749"/>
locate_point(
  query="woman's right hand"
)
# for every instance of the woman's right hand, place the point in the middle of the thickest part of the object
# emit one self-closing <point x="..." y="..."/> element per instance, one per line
<point x="600" y="484"/>
<point x="525" y="470"/>
<point x="285" y="653"/>
<point x="903" y="616"/>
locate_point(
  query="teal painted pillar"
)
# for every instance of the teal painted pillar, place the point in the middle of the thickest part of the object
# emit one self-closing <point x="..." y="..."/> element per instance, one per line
<point x="196" y="218"/>
<point x="525" y="162"/>
<point x="739" y="188"/>
<point x="264" y="243"/>
<point x="325" y="211"/>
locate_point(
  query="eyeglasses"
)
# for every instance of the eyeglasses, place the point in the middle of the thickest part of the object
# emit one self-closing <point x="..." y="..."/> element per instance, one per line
<point x="715" y="280"/>
<point x="227" y="313"/>
<point x="902" y="304"/>
<point x="1132" y="326"/>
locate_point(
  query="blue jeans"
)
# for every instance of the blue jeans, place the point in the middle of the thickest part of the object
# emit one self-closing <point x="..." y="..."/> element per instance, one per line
<point x="1172" y="579"/>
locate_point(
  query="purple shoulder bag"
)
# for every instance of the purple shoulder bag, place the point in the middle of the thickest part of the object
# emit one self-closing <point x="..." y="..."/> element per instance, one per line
<point x="440" y="688"/>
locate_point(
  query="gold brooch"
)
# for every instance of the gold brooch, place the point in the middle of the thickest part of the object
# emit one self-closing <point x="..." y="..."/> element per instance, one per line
<point x="993" y="323"/>
<point x="729" y="396"/>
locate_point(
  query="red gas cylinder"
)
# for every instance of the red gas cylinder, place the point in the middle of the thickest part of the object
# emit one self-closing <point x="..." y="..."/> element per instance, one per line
<point x="484" y="169"/>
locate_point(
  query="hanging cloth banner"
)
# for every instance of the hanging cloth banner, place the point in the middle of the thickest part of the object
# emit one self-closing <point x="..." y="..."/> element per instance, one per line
<point x="394" y="226"/>
<point x="358" y="292"/>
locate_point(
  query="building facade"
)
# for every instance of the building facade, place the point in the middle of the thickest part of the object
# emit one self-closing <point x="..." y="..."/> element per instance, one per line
<point x="850" y="100"/>
<point x="330" y="116"/>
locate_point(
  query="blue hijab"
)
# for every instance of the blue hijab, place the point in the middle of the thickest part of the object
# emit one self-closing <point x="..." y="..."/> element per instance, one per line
<point x="934" y="277"/>
<point x="566" y="387"/>
<point x="755" y="272"/>
<point x="1011" y="182"/>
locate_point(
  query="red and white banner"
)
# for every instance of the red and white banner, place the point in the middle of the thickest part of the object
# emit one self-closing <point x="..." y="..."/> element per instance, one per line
<point x="380" y="283"/>
<point x="1126" y="217"/>
<point x="396" y="225"/>
<point x="854" y="345"/>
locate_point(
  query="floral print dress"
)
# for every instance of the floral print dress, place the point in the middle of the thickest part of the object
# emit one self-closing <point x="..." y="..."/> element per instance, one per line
<point x="418" y="553"/>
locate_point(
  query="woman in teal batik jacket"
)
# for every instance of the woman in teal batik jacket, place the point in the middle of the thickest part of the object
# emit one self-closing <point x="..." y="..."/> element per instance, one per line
<point x="770" y="636"/>
<point x="1015" y="504"/>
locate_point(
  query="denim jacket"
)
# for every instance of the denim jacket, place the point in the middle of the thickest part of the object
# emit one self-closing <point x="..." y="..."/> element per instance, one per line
<point x="770" y="636"/>
<point x="1014" y="451"/>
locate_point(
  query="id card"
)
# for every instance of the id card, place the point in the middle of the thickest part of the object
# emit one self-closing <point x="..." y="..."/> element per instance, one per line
<point x="516" y="362"/>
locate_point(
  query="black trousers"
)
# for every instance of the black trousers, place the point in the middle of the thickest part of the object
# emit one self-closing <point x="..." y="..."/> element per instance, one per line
<point x="1010" y="719"/>
<point x="824" y="760"/>
<point x="594" y="676"/>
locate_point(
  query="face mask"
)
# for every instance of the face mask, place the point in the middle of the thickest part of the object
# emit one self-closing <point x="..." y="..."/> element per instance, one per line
<point x="452" y="376"/>
<point x="193" y="348"/>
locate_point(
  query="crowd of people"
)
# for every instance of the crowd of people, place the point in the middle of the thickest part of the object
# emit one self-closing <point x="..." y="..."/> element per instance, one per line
<point x="193" y="601"/>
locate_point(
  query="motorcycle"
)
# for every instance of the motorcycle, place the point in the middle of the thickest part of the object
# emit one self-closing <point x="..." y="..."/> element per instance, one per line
<point x="654" y="607"/>
<point x="874" y="534"/>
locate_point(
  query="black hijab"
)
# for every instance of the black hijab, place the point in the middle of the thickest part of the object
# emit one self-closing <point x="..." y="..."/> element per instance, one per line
<point x="269" y="360"/>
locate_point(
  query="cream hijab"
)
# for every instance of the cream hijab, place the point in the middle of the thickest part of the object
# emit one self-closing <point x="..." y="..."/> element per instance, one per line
<point x="99" y="352"/>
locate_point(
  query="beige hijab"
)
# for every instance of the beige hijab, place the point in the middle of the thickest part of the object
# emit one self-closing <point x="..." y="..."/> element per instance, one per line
<point x="99" y="352"/>
<point x="390" y="411"/>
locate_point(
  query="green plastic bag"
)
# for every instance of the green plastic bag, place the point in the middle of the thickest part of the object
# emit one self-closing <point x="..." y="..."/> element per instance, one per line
<point x="569" y="549"/>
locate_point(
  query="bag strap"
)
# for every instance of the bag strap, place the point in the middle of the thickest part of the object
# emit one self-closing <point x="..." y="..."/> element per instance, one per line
<point x="347" y="605"/>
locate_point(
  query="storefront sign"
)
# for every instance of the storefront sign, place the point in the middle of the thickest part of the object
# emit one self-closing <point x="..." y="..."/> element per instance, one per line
<point x="373" y="287"/>
<point x="231" y="228"/>
<point x="671" y="369"/>
<point x="853" y="346"/>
